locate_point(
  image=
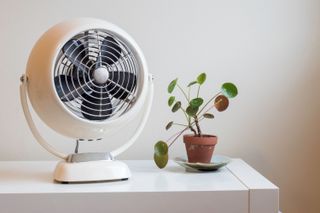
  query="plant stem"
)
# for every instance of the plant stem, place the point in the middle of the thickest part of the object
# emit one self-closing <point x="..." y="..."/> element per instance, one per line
<point x="197" y="125"/>
<point x="212" y="106"/>
<point x="178" y="124"/>
<point x="185" y="113"/>
<point x="189" y="122"/>
<point x="195" y="122"/>
<point x="192" y="129"/>
<point x="208" y="103"/>
<point x="198" y="91"/>
<point x="176" y="135"/>
<point x="183" y="92"/>
<point x="172" y="136"/>
<point x="190" y="126"/>
<point x="208" y="109"/>
<point x="180" y="133"/>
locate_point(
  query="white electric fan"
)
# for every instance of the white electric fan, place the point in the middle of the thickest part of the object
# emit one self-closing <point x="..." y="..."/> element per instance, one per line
<point x="87" y="78"/>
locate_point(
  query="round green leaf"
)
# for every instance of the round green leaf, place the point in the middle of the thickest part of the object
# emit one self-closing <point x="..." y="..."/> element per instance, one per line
<point x="161" y="148"/>
<point x="229" y="89"/>
<point x="171" y="100"/>
<point x="208" y="115"/>
<point x="192" y="111"/>
<point x="176" y="106"/>
<point x="160" y="160"/>
<point x="201" y="78"/>
<point x="172" y="85"/>
<point x="221" y="103"/>
<point x="196" y="102"/>
<point x="192" y="83"/>
<point x="169" y="125"/>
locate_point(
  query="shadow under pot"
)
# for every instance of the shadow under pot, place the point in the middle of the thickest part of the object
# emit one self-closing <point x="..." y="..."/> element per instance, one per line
<point x="200" y="148"/>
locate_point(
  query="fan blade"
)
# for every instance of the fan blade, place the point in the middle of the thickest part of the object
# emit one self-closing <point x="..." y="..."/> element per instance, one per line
<point x="121" y="84"/>
<point x="97" y="105"/>
<point x="110" y="51"/>
<point x="68" y="88"/>
<point x="77" y="54"/>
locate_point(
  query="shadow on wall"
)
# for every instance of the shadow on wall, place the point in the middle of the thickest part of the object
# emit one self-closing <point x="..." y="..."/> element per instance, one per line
<point x="295" y="142"/>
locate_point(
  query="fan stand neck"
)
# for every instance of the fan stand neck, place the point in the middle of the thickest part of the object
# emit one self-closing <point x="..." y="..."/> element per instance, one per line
<point x="88" y="156"/>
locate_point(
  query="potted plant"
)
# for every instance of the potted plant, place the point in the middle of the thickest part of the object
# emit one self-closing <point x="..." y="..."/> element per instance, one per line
<point x="199" y="146"/>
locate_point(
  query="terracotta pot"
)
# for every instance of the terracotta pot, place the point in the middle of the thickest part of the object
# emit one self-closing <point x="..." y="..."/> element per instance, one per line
<point x="200" y="149"/>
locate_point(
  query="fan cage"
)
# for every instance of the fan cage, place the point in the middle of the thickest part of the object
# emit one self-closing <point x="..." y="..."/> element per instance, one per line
<point x="86" y="89"/>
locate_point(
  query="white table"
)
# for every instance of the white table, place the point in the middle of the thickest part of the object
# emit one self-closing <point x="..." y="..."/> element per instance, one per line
<point x="27" y="186"/>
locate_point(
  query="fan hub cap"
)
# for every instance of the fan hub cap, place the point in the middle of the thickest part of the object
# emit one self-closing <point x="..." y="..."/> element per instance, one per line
<point x="101" y="75"/>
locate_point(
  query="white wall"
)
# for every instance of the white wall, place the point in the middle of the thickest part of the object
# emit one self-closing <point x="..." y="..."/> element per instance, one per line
<point x="270" y="49"/>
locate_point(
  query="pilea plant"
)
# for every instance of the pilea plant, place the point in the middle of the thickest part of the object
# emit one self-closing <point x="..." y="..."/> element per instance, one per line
<point x="194" y="109"/>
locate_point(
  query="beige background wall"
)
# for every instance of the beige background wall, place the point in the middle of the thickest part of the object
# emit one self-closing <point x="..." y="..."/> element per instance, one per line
<point x="270" y="49"/>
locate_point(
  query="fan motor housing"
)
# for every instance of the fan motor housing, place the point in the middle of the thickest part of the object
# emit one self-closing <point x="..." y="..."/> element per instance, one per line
<point x="42" y="91"/>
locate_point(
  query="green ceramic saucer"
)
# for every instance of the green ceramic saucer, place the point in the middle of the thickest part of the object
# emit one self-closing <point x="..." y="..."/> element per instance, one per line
<point x="217" y="162"/>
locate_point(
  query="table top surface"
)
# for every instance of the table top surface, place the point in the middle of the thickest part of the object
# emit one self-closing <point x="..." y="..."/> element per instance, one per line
<point x="37" y="177"/>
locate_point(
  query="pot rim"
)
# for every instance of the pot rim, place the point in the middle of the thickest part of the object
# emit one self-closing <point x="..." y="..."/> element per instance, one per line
<point x="207" y="140"/>
<point x="202" y="136"/>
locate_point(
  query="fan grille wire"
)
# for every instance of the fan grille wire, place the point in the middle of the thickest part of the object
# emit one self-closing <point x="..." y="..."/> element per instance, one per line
<point x="80" y="84"/>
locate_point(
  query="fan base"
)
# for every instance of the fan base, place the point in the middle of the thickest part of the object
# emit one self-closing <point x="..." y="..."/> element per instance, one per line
<point x="91" y="171"/>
